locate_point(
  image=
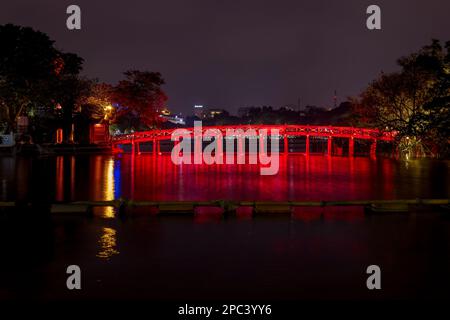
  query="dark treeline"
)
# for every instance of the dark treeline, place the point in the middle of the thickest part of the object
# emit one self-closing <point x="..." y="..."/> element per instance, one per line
<point x="342" y="115"/>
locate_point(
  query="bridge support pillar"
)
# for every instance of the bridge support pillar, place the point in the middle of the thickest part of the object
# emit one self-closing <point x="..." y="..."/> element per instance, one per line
<point x="286" y="144"/>
<point x="329" y="146"/>
<point x="133" y="147"/>
<point x="138" y="148"/>
<point x="307" y="145"/>
<point x="219" y="148"/>
<point x="351" y="147"/>
<point x="240" y="155"/>
<point x="175" y="144"/>
<point x="154" y="147"/>
<point x="263" y="144"/>
<point x="198" y="150"/>
<point x="373" y="148"/>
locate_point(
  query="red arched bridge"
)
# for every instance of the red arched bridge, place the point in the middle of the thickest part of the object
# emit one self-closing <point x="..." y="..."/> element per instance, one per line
<point x="285" y="132"/>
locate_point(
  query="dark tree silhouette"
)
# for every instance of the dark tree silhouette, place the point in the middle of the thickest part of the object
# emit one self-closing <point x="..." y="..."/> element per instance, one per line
<point x="28" y="63"/>
<point x="34" y="74"/>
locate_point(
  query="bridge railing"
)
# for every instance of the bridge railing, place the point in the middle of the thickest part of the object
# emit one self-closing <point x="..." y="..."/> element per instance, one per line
<point x="289" y="130"/>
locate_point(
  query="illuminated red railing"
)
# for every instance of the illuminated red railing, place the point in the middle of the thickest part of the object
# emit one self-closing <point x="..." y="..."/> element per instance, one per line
<point x="284" y="130"/>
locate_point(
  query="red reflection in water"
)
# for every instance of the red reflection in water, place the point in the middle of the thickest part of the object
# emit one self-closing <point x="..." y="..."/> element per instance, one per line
<point x="65" y="175"/>
<point x="344" y="213"/>
<point x="341" y="213"/>
<point x="299" y="178"/>
<point x="244" y="213"/>
<point x="147" y="177"/>
<point x="307" y="214"/>
<point x="59" y="178"/>
<point x="208" y="215"/>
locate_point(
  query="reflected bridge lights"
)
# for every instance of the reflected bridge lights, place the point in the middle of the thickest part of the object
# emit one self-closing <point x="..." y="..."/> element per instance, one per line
<point x="214" y="153"/>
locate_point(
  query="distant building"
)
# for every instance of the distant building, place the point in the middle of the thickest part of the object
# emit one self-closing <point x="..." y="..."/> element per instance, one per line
<point x="166" y="115"/>
<point x="175" y="119"/>
<point x="208" y="113"/>
<point x="165" y="112"/>
<point x="212" y="113"/>
<point x="198" y="111"/>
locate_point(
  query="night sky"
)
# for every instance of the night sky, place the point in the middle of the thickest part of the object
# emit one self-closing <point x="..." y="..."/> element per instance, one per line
<point x="228" y="54"/>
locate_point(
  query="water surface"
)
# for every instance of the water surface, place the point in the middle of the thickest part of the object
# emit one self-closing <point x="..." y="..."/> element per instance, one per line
<point x="314" y="253"/>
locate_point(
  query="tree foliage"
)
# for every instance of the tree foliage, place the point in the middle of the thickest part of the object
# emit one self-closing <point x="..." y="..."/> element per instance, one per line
<point x="27" y="64"/>
<point x="35" y="75"/>
<point x="98" y="104"/>
<point x="140" y="96"/>
<point x="414" y="101"/>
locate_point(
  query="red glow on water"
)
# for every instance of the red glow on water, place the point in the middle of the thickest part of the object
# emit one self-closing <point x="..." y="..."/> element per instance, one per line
<point x="59" y="196"/>
<point x="208" y="215"/>
<point x="244" y="213"/>
<point x="344" y="213"/>
<point x="307" y="214"/>
<point x="299" y="178"/>
<point x="335" y="213"/>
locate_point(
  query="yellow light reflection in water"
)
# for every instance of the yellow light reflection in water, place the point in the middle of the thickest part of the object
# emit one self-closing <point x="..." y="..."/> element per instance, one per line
<point x="108" y="239"/>
<point x="108" y="244"/>
<point x="108" y="190"/>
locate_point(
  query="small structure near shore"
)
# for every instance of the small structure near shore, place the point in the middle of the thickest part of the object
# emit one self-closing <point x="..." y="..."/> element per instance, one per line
<point x="7" y="143"/>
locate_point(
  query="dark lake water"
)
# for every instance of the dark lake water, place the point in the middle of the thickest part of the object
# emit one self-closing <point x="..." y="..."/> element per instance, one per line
<point x="314" y="253"/>
<point x="105" y="177"/>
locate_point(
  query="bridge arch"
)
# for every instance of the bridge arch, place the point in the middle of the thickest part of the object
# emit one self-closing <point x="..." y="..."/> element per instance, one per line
<point x="286" y="131"/>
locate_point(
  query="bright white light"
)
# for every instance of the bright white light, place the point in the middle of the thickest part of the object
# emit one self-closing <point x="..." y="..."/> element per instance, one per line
<point x="198" y="106"/>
